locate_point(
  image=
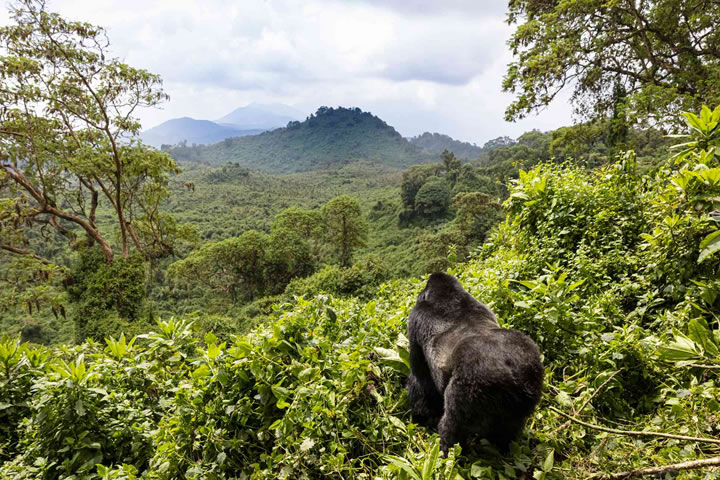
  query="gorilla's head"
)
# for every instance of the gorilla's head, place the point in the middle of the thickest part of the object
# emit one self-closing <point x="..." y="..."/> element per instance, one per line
<point x="443" y="292"/>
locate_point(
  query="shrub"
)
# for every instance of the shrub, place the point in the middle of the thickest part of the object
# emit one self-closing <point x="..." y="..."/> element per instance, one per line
<point x="434" y="198"/>
<point x="108" y="298"/>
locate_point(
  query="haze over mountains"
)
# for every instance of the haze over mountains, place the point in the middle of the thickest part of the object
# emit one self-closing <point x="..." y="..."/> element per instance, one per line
<point x="270" y="138"/>
<point x="248" y="120"/>
<point x="261" y="116"/>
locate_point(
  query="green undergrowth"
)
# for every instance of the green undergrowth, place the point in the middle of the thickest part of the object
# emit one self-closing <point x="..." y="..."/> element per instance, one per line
<point x="612" y="272"/>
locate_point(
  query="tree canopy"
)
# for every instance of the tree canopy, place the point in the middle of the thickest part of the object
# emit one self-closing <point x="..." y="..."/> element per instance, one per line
<point x="67" y="139"/>
<point x="346" y="227"/>
<point x="656" y="58"/>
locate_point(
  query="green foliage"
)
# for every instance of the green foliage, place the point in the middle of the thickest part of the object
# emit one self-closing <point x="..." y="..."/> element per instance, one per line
<point x="19" y="364"/>
<point x="661" y="68"/>
<point x="360" y="280"/>
<point x="704" y="135"/>
<point x="31" y="284"/>
<point x="600" y="268"/>
<point x="68" y="132"/>
<point x="306" y="223"/>
<point x="245" y="267"/>
<point x="437" y="143"/>
<point x="329" y="138"/>
<point x="309" y="225"/>
<point x="413" y="179"/>
<point x="234" y="266"/>
<point x="476" y="213"/>
<point x="346" y="227"/>
<point x="433" y="198"/>
<point x="230" y="172"/>
<point x="107" y="298"/>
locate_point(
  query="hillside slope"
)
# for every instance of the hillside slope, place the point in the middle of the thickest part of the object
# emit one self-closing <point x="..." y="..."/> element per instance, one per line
<point x="192" y="131"/>
<point x="332" y="137"/>
<point x="320" y="391"/>
<point x="435" y="143"/>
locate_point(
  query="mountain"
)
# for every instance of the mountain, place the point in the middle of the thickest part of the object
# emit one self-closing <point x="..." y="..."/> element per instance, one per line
<point x="260" y="116"/>
<point x="435" y="143"/>
<point x="332" y="137"/>
<point x="192" y="131"/>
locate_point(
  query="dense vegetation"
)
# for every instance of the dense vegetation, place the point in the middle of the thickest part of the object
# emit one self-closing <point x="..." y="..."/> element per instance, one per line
<point x="406" y="237"/>
<point x="436" y="143"/>
<point x="224" y="322"/>
<point x="331" y="137"/>
<point x="644" y="61"/>
<point x="612" y="272"/>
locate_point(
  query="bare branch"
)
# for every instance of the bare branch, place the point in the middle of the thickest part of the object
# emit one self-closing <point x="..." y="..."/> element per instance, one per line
<point x="675" y="467"/>
<point x="635" y="433"/>
<point x="21" y="251"/>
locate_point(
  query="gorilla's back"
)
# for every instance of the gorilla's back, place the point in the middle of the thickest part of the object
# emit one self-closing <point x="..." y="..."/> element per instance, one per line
<point x="504" y="365"/>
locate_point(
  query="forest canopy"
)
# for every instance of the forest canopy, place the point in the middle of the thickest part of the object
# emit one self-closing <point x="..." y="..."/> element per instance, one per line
<point x="647" y="60"/>
<point x="273" y="344"/>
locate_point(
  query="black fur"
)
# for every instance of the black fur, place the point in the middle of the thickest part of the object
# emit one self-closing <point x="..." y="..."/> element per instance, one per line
<point x="467" y="374"/>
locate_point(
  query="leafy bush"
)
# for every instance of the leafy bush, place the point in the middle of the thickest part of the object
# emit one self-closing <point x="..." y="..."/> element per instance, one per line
<point x="612" y="272"/>
<point x="362" y="279"/>
<point x="434" y="197"/>
<point x="107" y="298"/>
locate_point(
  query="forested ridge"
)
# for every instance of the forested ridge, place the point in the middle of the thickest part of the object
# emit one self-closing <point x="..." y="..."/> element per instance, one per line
<point x="331" y="137"/>
<point x="239" y="310"/>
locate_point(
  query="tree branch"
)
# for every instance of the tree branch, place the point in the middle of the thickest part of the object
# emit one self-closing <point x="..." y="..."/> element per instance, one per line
<point x="21" y="251"/>
<point x="675" y="467"/>
<point x="635" y="433"/>
<point x="585" y="404"/>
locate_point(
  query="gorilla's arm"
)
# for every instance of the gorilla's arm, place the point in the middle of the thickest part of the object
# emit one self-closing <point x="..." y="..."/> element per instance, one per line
<point x="425" y="400"/>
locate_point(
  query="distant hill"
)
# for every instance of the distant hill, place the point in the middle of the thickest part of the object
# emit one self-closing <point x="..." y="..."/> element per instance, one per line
<point x="249" y="120"/>
<point x="435" y="143"/>
<point x="332" y="137"/>
<point x="261" y="116"/>
<point x="192" y="131"/>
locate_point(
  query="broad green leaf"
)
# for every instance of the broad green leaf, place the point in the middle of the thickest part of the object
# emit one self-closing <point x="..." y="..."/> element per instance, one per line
<point x="712" y="245"/>
<point x="575" y="285"/>
<point x="709" y="238"/>
<point x="699" y="332"/>
<point x="531" y="284"/>
<point x="405" y="466"/>
<point x="394" y="360"/>
<point x="549" y="461"/>
<point x="201" y="372"/>
<point x="431" y="461"/>
<point x="682" y="348"/>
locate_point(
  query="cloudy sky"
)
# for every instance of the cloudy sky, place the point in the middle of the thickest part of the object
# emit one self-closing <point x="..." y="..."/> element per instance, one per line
<point x="421" y="65"/>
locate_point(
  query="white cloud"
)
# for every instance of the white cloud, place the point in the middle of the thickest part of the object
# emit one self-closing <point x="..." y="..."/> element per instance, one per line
<point x="418" y="64"/>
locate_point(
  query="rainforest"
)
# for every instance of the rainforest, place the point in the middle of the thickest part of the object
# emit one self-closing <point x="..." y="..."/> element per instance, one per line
<point x="235" y="305"/>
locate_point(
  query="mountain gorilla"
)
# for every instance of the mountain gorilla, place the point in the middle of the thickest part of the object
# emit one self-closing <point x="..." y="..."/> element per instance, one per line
<point x="466" y="371"/>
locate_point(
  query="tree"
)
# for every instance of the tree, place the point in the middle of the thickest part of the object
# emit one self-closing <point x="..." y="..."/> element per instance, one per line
<point x="665" y="54"/>
<point x="476" y="214"/>
<point x="498" y="142"/>
<point x="235" y="266"/>
<point x="307" y="224"/>
<point x="108" y="298"/>
<point x="414" y="178"/>
<point x="452" y="165"/>
<point x="433" y="198"/>
<point x="346" y="226"/>
<point x="288" y="257"/>
<point x="450" y="161"/>
<point x="68" y="140"/>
